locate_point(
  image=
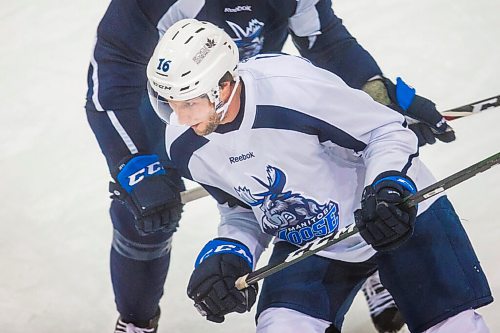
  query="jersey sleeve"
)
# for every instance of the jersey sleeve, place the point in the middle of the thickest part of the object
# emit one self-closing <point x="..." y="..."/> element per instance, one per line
<point x="239" y="223"/>
<point x="344" y="120"/>
<point x="351" y="119"/>
<point x="320" y="36"/>
<point x="116" y="80"/>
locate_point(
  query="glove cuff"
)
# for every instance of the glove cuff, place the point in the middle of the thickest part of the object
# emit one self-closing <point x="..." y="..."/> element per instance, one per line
<point x="404" y="94"/>
<point x="133" y="169"/>
<point x="401" y="94"/>
<point x="225" y="246"/>
<point x="397" y="177"/>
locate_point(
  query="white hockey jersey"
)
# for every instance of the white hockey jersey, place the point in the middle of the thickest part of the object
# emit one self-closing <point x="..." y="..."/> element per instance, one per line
<point x="296" y="159"/>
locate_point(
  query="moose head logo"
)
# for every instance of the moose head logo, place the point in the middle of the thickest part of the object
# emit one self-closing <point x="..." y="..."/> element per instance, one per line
<point x="249" y="39"/>
<point x="282" y="209"/>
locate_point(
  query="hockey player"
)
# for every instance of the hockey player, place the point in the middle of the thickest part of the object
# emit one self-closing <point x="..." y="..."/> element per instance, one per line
<point x="276" y="141"/>
<point x="146" y="208"/>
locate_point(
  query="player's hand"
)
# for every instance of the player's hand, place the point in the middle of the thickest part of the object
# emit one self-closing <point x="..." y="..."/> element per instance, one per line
<point x="383" y="221"/>
<point x="211" y="286"/>
<point x="423" y="118"/>
<point x="143" y="186"/>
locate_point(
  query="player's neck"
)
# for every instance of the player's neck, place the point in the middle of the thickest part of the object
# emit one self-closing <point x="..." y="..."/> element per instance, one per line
<point x="234" y="106"/>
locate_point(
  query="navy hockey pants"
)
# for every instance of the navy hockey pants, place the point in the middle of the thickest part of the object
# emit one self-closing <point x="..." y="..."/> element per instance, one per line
<point x="139" y="264"/>
<point x="433" y="276"/>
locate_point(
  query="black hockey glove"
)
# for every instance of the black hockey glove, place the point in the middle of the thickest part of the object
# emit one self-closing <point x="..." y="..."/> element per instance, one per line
<point x="143" y="186"/>
<point x="423" y="118"/>
<point x="211" y="286"/>
<point x="382" y="221"/>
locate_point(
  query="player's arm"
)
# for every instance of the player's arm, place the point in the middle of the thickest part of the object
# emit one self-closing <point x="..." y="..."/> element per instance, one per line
<point x="239" y="223"/>
<point x="116" y="86"/>
<point x="125" y="40"/>
<point x="421" y="113"/>
<point x="223" y="260"/>
<point x="321" y="37"/>
<point x="383" y="221"/>
<point x="389" y="152"/>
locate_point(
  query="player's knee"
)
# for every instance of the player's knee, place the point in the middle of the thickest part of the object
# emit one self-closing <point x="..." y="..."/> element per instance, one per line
<point x="142" y="251"/>
<point x="468" y="321"/>
<point x="274" y="320"/>
<point x="123" y="221"/>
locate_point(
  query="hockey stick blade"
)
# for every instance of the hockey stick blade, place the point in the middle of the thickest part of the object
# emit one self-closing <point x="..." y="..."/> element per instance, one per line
<point x="319" y="244"/>
<point x="472" y="108"/>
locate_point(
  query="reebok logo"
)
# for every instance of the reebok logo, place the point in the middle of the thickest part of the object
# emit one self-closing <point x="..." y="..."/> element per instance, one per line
<point x="238" y="9"/>
<point x="242" y="157"/>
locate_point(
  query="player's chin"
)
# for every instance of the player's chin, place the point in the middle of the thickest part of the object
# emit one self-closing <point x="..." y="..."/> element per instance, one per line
<point x="198" y="129"/>
<point x="203" y="129"/>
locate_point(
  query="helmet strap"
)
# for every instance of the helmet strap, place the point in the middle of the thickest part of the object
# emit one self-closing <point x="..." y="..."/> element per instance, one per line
<point x="221" y="107"/>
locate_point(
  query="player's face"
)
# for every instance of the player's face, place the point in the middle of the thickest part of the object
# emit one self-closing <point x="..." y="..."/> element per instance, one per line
<point x="198" y="113"/>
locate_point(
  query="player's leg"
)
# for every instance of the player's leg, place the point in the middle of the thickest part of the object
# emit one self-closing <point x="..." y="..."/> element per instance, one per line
<point x="139" y="263"/>
<point x="435" y="275"/>
<point x="382" y="307"/>
<point x="319" y="290"/>
<point x="139" y="266"/>
<point x="290" y="321"/>
<point x="466" y="321"/>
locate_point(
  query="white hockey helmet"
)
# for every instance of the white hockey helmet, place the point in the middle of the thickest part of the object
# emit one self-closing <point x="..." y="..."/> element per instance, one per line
<point x="190" y="59"/>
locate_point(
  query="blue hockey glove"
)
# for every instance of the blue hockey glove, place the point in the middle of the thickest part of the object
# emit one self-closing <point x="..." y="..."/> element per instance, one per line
<point x="423" y="118"/>
<point x="211" y="286"/>
<point x="382" y="221"/>
<point x="143" y="186"/>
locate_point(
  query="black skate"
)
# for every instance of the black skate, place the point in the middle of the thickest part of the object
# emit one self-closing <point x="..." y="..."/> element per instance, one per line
<point x="383" y="310"/>
<point x="150" y="327"/>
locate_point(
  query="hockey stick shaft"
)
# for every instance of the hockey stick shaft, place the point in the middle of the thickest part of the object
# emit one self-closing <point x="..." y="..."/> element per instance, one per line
<point x="319" y="244"/>
<point x="193" y="194"/>
<point x="452" y="180"/>
<point x="472" y="108"/>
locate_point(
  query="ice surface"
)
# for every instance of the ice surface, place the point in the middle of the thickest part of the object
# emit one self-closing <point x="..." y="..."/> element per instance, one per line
<point x="56" y="233"/>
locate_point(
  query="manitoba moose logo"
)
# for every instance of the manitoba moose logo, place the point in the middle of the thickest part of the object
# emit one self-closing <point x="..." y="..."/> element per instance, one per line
<point x="248" y="39"/>
<point x="288" y="215"/>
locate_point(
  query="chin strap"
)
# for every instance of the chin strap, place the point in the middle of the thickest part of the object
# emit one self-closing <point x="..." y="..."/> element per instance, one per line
<point x="221" y="107"/>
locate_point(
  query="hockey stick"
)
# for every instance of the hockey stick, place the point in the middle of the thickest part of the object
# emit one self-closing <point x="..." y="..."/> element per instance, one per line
<point x="319" y="244"/>
<point x="451" y="114"/>
<point x="472" y="108"/>
<point x="193" y="194"/>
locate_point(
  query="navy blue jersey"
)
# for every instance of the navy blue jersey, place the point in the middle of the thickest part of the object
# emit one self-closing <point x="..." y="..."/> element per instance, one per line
<point x="130" y="30"/>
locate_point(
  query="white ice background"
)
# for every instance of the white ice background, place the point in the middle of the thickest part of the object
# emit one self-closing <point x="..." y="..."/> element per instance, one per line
<point x="55" y="231"/>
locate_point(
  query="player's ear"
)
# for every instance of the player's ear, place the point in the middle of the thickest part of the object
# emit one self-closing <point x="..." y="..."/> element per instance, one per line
<point x="225" y="86"/>
<point x="225" y="90"/>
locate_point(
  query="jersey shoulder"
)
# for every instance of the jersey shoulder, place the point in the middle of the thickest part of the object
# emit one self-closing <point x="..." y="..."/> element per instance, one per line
<point x="273" y="64"/>
<point x="290" y="69"/>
